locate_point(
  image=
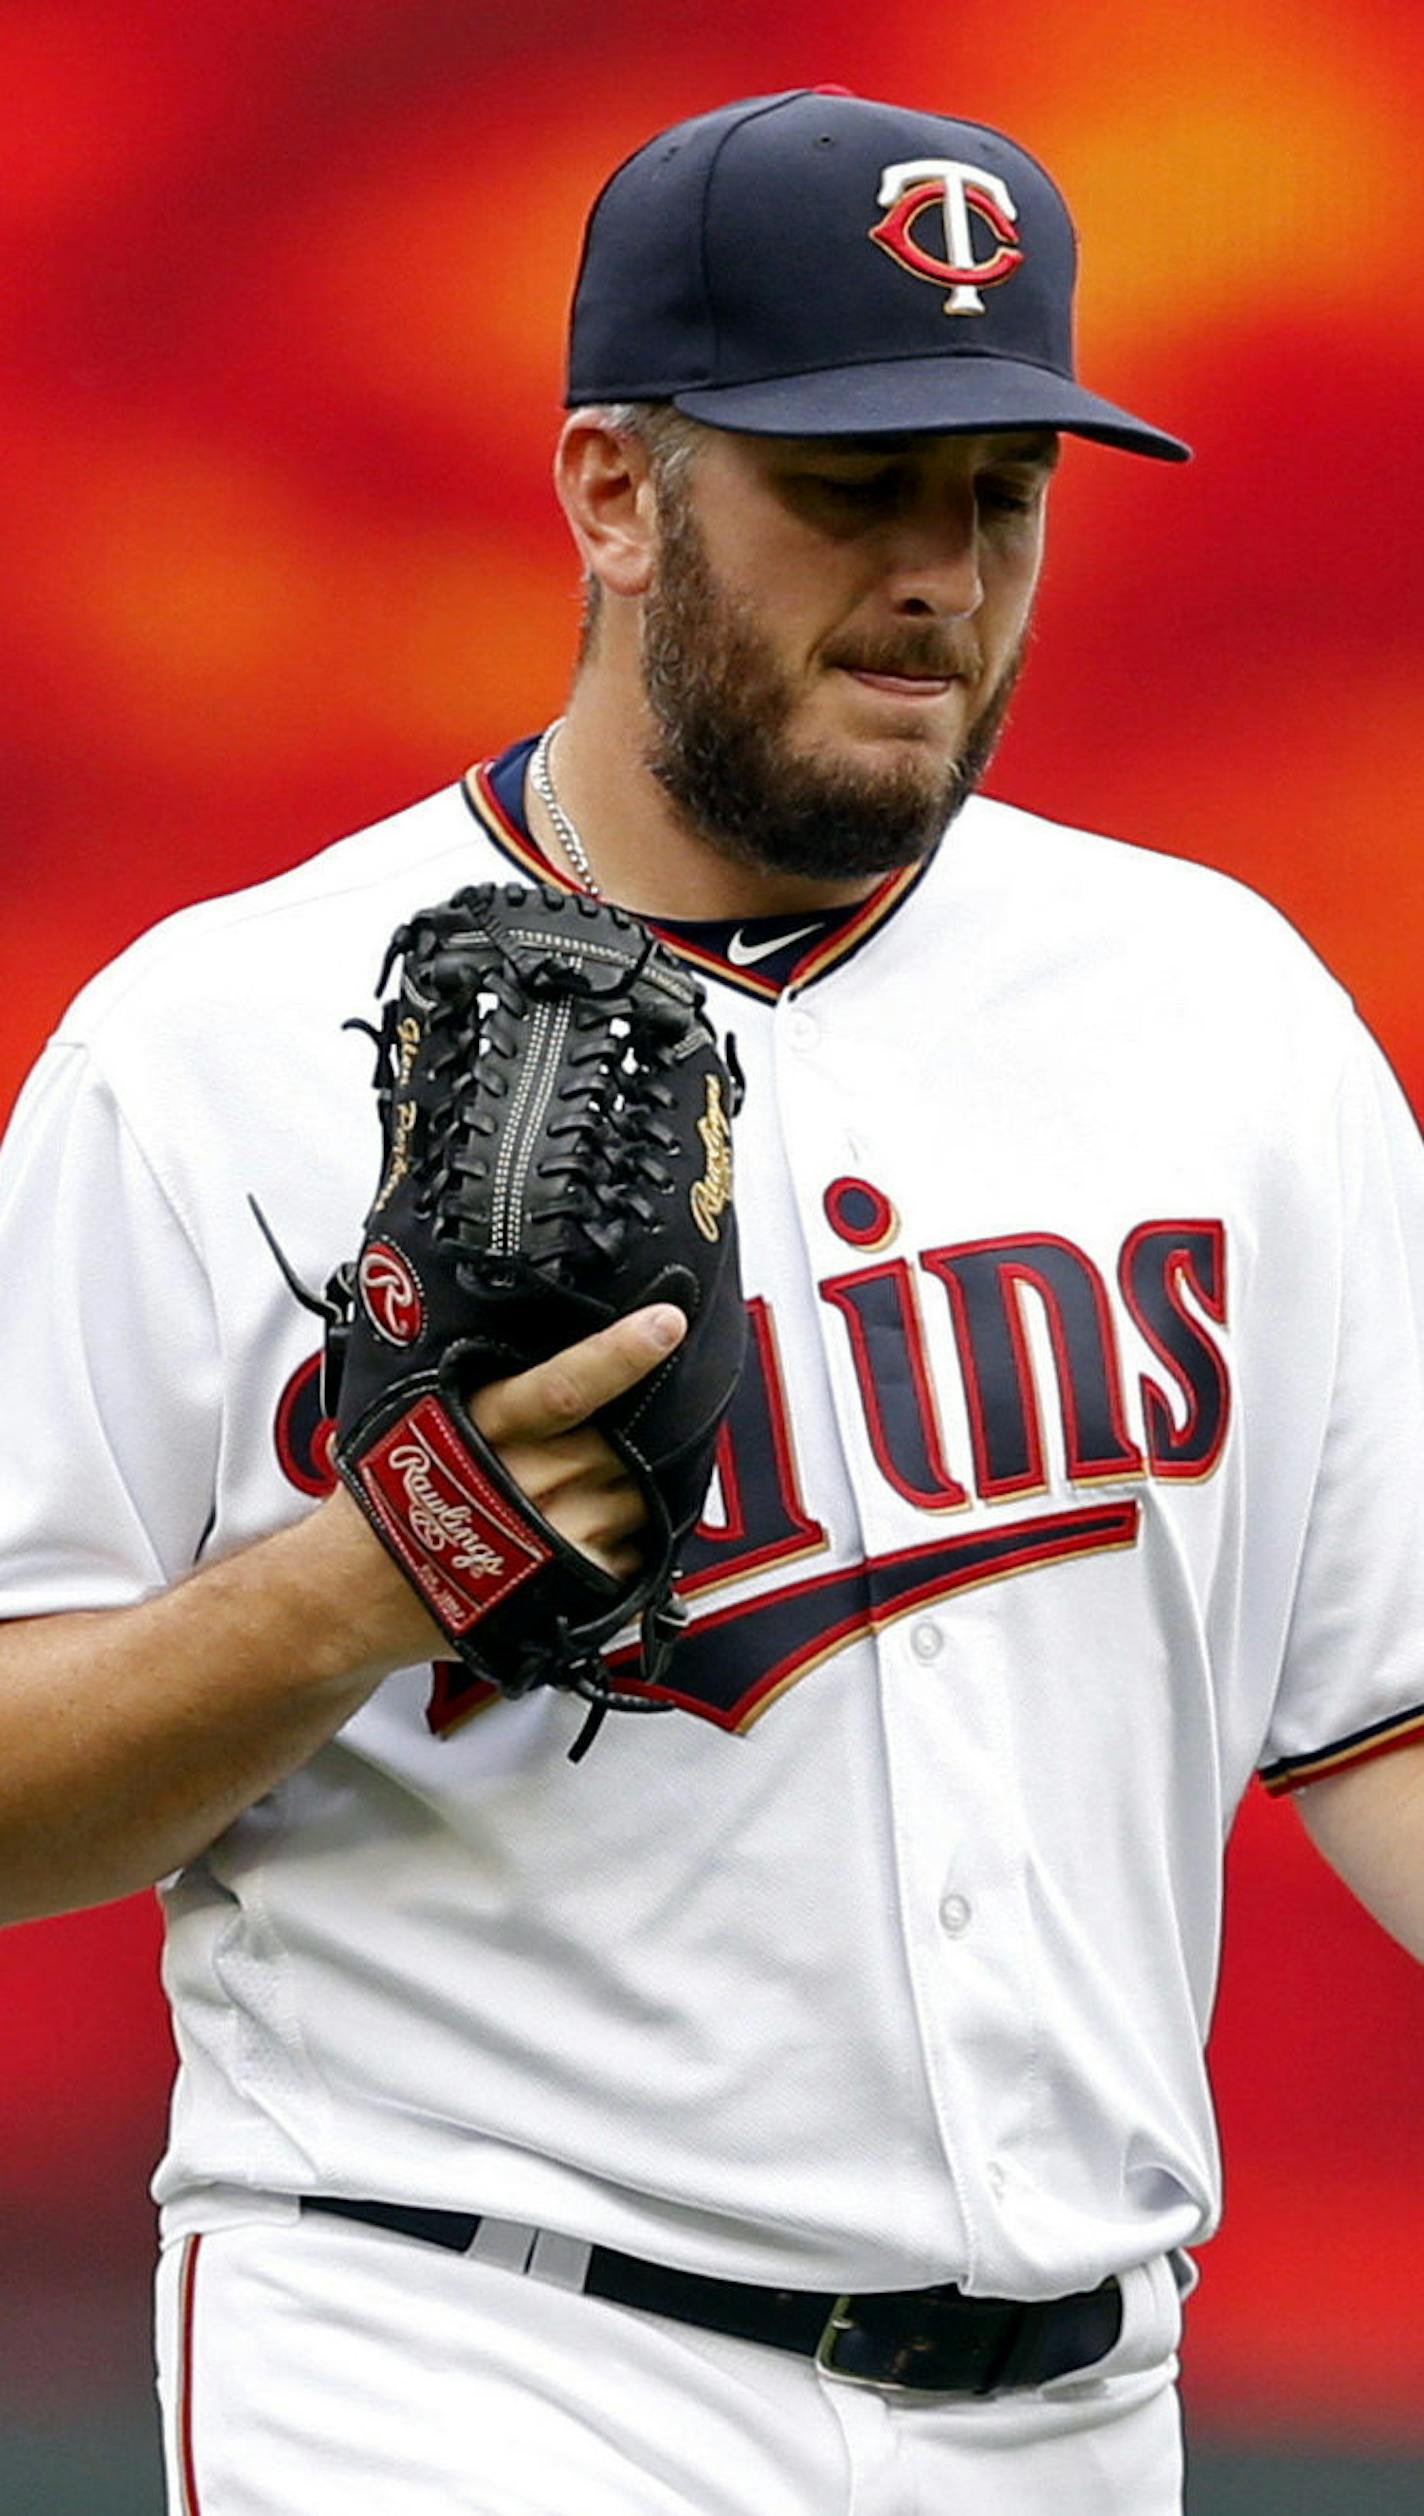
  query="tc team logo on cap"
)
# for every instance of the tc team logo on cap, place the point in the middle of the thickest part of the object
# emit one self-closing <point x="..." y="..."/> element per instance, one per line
<point x="943" y="184"/>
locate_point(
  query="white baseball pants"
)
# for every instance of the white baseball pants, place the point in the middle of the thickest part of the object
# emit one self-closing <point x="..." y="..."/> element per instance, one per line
<point x="321" y="2368"/>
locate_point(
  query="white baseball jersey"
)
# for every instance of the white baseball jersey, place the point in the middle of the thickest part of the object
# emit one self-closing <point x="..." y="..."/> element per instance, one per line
<point x="1074" y="1477"/>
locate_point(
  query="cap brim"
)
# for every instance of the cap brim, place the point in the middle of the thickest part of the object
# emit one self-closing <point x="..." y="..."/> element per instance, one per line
<point x="962" y="391"/>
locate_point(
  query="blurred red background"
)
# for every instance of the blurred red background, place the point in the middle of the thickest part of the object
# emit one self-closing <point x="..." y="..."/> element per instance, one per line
<point x="281" y="301"/>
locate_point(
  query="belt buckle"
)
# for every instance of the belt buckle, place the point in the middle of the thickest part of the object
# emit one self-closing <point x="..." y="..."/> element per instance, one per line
<point x="844" y="2321"/>
<point x="839" y="2321"/>
<point x="981" y="2367"/>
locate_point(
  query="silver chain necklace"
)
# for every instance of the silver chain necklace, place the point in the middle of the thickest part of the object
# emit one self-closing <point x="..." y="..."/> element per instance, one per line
<point x="541" y="779"/>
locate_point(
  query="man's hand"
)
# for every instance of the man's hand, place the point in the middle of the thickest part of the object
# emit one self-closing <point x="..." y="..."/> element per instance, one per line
<point x="538" y="1423"/>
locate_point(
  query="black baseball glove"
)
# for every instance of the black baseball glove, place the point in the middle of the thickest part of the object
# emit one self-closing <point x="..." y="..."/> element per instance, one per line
<point x="556" y="1118"/>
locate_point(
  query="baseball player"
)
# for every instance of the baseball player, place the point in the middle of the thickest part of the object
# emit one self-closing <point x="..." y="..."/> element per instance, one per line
<point x="798" y="2105"/>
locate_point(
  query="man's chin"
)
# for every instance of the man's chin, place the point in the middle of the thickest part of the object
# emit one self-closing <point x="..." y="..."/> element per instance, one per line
<point x="916" y="771"/>
<point x="857" y="819"/>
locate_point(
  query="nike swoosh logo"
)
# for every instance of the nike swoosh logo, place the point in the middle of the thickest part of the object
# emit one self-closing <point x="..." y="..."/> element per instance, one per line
<point x="741" y="955"/>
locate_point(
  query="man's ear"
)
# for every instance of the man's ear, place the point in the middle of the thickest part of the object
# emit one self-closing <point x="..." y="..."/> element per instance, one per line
<point x="605" y="489"/>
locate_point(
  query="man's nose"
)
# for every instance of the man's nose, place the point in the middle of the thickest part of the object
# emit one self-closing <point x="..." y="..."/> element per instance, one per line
<point x="934" y="570"/>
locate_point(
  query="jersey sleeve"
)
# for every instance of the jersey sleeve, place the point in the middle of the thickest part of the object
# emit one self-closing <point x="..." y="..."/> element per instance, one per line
<point x="1353" y="1683"/>
<point x="108" y="1356"/>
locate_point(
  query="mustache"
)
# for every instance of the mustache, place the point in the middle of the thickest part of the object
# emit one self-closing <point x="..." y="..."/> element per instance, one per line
<point x="930" y="653"/>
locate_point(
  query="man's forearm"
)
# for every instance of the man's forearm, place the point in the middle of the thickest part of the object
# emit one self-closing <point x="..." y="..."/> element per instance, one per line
<point x="131" y="1737"/>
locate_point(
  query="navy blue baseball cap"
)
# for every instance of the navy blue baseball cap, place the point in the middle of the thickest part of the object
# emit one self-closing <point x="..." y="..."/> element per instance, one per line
<point x="817" y="264"/>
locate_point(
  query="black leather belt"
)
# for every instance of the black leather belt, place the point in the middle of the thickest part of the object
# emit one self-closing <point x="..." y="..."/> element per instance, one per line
<point x="932" y="2341"/>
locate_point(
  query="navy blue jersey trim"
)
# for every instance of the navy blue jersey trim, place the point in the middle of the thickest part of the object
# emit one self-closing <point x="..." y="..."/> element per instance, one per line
<point x="1378" y="1738"/>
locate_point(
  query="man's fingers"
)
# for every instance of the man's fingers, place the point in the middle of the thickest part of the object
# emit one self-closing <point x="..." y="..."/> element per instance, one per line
<point x="587" y="1486"/>
<point x="603" y="1524"/>
<point x="553" y="1397"/>
<point x="537" y="1420"/>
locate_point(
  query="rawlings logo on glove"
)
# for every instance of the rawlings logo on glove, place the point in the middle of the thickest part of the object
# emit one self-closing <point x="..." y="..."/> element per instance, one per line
<point x="390" y="1293"/>
<point x="446" y="1525"/>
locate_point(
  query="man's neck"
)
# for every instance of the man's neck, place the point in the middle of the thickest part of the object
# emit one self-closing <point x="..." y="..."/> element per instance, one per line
<point x="643" y="854"/>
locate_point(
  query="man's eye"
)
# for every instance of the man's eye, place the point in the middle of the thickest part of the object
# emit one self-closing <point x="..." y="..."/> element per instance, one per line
<point x="838" y="486"/>
<point x="1004" y="499"/>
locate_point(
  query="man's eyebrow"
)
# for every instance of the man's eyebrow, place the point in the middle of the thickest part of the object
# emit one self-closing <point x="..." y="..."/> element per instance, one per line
<point x="1044" y="447"/>
<point x="1041" y="446"/>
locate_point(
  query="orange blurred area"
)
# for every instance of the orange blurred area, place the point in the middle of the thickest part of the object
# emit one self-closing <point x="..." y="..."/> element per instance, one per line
<point x="284" y="285"/>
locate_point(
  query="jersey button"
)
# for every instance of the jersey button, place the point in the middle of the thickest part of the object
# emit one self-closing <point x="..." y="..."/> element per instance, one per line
<point x="926" y="1640"/>
<point x="803" y="1029"/>
<point x="956" y="1913"/>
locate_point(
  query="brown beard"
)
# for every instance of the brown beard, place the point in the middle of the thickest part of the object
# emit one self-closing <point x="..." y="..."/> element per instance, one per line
<point x="721" y="703"/>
